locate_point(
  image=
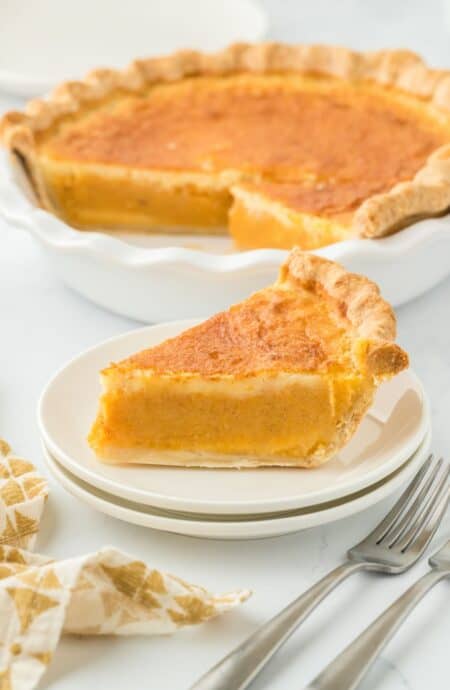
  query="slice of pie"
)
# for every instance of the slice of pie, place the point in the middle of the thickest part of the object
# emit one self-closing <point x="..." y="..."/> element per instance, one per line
<point x="288" y="145"/>
<point x="283" y="378"/>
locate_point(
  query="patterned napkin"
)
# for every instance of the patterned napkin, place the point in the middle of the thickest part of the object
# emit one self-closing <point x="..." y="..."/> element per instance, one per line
<point x="107" y="592"/>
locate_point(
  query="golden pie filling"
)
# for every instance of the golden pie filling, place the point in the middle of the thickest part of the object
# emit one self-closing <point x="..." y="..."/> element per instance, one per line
<point x="289" y="158"/>
<point x="282" y="378"/>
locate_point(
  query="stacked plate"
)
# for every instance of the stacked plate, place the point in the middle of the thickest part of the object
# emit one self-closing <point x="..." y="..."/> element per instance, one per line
<point x="389" y="447"/>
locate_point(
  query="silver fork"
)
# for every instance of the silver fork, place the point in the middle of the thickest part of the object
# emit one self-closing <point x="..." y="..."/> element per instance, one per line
<point x="393" y="547"/>
<point x="350" y="667"/>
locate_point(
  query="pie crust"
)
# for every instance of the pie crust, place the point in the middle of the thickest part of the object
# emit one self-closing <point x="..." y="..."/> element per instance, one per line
<point x="200" y="197"/>
<point x="283" y="378"/>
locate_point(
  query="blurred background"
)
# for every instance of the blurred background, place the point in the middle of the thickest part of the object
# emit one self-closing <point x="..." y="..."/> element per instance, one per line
<point x="420" y="25"/>
<point x="45" y="41"/>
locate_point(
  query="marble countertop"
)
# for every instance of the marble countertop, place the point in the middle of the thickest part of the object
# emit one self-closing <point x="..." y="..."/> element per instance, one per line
<point x="43" y="324"/>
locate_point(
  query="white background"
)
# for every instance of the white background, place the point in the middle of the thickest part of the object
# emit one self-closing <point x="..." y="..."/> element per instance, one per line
<point x="43" y="324"/>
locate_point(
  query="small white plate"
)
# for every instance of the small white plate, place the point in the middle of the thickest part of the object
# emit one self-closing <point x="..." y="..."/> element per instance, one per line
<point x="194" y="277"/>
<point x="47" y="41"/>
<point x="386" y="438"/>
<point x="214" y="528"/>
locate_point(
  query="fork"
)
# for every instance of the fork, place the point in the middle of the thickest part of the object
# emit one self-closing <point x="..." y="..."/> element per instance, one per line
<point x="393" y="547"/>
<point x="350" y="667"/>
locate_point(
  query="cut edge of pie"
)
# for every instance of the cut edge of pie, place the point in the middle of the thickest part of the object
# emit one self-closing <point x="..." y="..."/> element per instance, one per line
<point x="208" y="197"/>
<point x="281" y="379"/>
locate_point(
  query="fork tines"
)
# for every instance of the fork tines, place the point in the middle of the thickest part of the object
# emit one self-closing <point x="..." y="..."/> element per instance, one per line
<point x="417" y="512"/>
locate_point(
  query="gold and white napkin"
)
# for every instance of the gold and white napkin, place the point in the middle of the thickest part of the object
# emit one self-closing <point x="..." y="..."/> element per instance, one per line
<point x="107" y="592"/>
<point x="23" y="494"/>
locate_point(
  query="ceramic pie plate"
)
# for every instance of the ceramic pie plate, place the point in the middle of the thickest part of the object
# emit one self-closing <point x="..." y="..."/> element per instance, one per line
<point x="220" y="527"/>
<point x="194" y="277"/>
<point x="389" y="434"/>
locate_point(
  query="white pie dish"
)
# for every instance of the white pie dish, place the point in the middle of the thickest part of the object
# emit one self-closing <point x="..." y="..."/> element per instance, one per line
<point x="387" y="437"/>
<point x="155" y="278"/>
<point x="215" y="527"/>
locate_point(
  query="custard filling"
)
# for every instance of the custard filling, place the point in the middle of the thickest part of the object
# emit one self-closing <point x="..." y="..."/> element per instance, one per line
<point x="295" y="419"/>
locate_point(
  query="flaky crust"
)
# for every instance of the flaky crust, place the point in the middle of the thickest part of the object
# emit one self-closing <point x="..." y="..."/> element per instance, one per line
<point x="359" y="300"/>
<point x="426" y="195"/>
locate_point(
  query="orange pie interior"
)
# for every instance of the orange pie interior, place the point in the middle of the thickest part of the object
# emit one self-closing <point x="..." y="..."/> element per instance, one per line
<point x="283" y="378"/>
<point x="284" y="145"/>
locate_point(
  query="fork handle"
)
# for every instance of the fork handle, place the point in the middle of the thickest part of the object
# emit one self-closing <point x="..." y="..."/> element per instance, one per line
<point x="237" y="670"/>
<point x="348" y="668"/>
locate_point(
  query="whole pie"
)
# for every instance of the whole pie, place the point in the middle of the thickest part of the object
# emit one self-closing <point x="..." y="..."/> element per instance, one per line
<point x="283" y="378"/>
<point x="285" y="145"/>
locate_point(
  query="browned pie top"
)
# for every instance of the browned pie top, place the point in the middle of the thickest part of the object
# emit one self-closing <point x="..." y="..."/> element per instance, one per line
<point x="282" y="127"/>
<point x="356" y="139"/>
<point x="317" y="317"/>
<point x="274" y="330"/>
<point x="326" y="198"/>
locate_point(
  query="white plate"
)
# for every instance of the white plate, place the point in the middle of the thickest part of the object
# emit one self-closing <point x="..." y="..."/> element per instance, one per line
<point x="64" y="40"/>
<point x="202" y="526"/>
<point x="389" y="434"/>
<point x="194" y="278"/>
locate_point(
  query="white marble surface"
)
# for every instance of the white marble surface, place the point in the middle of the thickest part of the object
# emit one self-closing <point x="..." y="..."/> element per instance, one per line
<point x="43" y="324"/>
